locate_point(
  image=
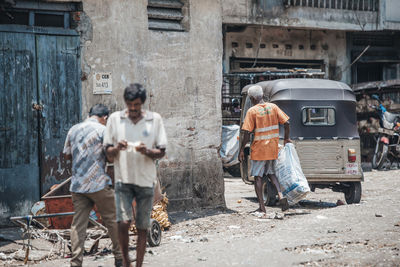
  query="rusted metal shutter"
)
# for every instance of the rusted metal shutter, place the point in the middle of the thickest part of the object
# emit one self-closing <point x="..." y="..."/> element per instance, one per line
<point x="165" y="15"/>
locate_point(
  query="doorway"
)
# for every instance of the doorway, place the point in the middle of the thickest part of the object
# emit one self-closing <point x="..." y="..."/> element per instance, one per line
<point x="40" y="100"/>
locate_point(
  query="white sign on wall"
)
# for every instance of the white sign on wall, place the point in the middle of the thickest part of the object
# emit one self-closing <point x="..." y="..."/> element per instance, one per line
<point x="102" y="83"/>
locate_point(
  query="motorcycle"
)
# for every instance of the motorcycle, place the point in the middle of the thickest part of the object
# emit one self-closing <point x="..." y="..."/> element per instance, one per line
<point x="388" y="142"/>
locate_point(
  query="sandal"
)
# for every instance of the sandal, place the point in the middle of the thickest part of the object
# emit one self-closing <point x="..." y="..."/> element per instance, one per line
<point x="283" y="202"/>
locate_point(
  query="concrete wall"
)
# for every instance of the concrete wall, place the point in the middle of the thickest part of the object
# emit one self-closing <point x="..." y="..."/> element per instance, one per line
<point x="182" y="72"/>
<point x="273" y="13"/>
<point x="392" y="15"/>
<point x="330" y="46"/>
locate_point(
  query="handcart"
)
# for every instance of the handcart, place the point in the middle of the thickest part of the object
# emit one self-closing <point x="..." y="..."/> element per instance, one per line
<point x="59" y="212"/>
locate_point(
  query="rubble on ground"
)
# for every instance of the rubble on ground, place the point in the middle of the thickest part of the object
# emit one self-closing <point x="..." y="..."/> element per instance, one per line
<point x="44" y="245"/>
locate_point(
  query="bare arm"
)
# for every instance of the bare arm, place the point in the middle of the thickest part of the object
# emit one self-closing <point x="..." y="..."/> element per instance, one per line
<point x="245" y="140"/>
<point x="154" y="153"/>
<point x="112" y="151"/>
<point x="287" y="133"/>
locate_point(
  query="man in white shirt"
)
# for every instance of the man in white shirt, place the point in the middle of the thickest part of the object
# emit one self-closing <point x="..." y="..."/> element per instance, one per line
<point x="134" y="139"/>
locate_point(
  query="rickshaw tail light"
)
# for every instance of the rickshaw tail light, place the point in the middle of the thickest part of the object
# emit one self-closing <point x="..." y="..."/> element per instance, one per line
<point x="352" y="155"/>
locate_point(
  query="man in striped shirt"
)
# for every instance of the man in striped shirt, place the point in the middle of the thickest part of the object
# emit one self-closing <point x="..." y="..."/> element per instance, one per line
<point x="263" y="119"/>
<point x="89" y="183"/>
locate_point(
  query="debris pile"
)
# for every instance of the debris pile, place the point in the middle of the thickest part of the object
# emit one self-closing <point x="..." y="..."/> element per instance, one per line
<point x="33" y="245"/>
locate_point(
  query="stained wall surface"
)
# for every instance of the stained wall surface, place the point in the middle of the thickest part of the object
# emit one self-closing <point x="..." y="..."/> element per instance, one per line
<point x="182" y="73"/>
<point x="291" y="45"/>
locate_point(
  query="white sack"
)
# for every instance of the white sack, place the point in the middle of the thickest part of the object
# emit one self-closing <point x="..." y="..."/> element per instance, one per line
<point x="230" y="145"/>
<point x="293" y="183"/>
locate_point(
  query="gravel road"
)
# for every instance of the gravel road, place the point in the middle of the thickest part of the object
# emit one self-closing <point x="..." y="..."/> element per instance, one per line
<point x="318" y="232"/>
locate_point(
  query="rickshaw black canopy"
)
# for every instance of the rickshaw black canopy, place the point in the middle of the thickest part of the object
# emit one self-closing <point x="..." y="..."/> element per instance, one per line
<point x="295" y="95"/>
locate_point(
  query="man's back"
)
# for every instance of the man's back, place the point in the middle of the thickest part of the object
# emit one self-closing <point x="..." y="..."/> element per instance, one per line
<point x="85" y="143"/>
<point x="264" y="120"/>
<point x="265" y="115"/>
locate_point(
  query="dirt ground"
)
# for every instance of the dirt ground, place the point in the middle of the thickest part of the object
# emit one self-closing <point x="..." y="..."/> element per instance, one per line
<point x="318" y="232"/>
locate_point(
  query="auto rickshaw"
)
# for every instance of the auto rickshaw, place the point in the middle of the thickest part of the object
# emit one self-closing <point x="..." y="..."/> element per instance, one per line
<point x="323" y="128"/>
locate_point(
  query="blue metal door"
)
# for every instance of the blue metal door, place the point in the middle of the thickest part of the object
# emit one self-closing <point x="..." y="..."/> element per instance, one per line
<point x="40" y="93"/>
<point x="59" y="88"/>
<point x="19" y="158"/>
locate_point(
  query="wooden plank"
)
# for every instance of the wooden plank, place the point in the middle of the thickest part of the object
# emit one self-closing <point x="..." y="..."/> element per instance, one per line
<point x="19" y="90"/>
<point x="72" y="90"/>
<point x="19" y="161"/>
<point x="163" y="13"/>
<point x="165" y="3"/>
<point x="171" y="25"/>
<point x="59" y="90"/>
<point x="37" y="30"/>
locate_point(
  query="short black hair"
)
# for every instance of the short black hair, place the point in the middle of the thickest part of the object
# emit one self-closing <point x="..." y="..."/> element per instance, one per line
<point x="99" y="110"/>
<point x="133" y="91"/>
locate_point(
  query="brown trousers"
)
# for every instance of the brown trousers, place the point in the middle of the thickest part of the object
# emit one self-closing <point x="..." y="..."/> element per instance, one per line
<point x="83" y="204"/>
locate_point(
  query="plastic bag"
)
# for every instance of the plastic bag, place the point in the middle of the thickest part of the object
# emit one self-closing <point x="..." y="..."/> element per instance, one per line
<point x="291" y="178"/>
<point x="230" y="145"/>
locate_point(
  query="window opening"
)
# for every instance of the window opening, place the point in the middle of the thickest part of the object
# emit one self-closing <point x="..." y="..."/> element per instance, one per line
<point x="319" y="116"/>
<point x="39" y="14"/>
<point x="14" y="17"/>
<point x="49" y="20"/>
<point x="166" y="15"/>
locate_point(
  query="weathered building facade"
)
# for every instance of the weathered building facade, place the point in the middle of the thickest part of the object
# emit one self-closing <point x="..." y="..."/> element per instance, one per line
<point x="180" y="65"/>
<point x="356" y="42"/>
<point x="97" y="48"/>
<point x="329" y="36"/>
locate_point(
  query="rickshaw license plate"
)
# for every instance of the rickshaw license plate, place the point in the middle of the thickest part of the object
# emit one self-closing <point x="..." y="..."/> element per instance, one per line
<point x="351" y="168"/>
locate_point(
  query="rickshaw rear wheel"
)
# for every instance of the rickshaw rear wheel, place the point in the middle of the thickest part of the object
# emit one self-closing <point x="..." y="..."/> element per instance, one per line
<point x="154" y="234"/>
<point x="270" y="194"/>
<point x="353" y="193"/>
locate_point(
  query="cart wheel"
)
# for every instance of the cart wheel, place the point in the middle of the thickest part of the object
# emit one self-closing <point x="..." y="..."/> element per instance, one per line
<point x="154" y="234"/>
<point x="353" y="193"/>
<point x="269" y="193"/>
